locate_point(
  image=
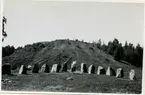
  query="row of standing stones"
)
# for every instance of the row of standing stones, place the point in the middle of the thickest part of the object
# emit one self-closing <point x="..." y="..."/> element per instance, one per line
<point x="119" y="73"/>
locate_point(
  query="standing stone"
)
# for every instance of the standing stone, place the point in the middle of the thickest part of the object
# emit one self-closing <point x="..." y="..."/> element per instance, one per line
<point x="23" y="69"/>
<point x="101" y="70"/>
<point x="58" y="68"/>
<point x="45" y="68"/>
<point x="6" y="69"/>
<point x="119" y="73"/>
<point x="35" y="68"/>
<point x="29" y="67"/>
<point x="110" y="72"/>
<point x="73" y="66"/>
<point x="91" y="69"/>
<point x="55" y="68"/>
<point x="83" y="68"/>
<point x="64" y="67"/>
<point x="132" y="74"/>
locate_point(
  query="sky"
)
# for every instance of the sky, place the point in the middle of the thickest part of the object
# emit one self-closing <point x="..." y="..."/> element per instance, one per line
<point x="30" y="21"/>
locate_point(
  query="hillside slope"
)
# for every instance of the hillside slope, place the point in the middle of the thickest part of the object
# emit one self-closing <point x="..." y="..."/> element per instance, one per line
<point x="50" y="52"/>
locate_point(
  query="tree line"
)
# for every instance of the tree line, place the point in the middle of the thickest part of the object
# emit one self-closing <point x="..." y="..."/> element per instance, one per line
<point x="127" y="53"/>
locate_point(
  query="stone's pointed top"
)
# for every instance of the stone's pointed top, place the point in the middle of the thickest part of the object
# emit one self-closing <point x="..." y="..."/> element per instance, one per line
<point x="100" y="67"/>
<point x="119" y="69"/>
<point x="74" y="62"/>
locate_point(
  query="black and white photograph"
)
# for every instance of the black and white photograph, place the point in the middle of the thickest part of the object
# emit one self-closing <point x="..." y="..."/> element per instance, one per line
<point x="72" y="46"/>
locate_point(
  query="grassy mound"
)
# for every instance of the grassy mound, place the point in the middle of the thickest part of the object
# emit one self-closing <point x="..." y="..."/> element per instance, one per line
<point x="58" y="52"/>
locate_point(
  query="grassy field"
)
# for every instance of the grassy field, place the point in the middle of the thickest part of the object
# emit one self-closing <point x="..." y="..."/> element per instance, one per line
<point x="49" y="82"/>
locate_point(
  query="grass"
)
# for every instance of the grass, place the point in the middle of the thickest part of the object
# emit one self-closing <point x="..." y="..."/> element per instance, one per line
<point x="93" y="83"/>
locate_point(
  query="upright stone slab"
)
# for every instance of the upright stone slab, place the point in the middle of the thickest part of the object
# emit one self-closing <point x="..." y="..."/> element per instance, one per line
<point x="132" y="75"/>
<point x="91" y="69"/>
<point x="73" y="66"/>
<point x="83" y="68"/>
<point x="119" y="73"/>
<point x="110" y="72"/>
<point x="6" y="69"/>
<point x="35" y="68"/>
<point x="101" y="70"/>
<point x="23" y="69"/>
<point x="64" y="67"/>
<point x="55" y="68"/>
<point x="44" y="68"/>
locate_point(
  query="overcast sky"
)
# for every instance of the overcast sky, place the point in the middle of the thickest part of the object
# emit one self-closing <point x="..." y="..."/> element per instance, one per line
<point x="35" y="21"/>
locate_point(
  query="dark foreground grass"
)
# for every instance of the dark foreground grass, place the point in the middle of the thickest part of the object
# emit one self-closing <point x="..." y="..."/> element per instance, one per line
<point x="80" y="83"/>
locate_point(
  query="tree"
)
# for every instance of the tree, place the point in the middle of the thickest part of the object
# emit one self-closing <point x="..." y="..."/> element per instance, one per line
<point x="138" y="55"/>
<point x="4" y="34"/>
<point x="7" y="50"/>
<point x="118" y="53"/>
<point x="128" y="53"/>
<point x="126" y="45"/>
<point x="112" y="46"/>
<point x="104" y="47"/>
<point x="99" y="43"/>
<point x="115" y="42"/>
